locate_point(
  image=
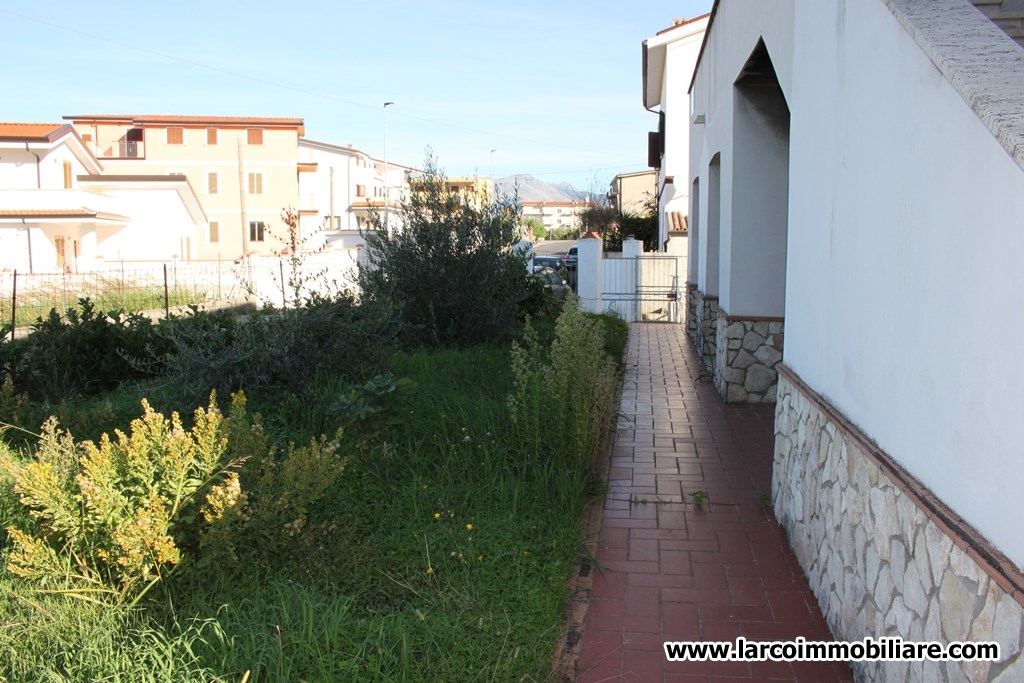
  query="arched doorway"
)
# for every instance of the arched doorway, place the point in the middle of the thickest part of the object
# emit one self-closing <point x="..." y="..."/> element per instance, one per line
<point x="752" y="276"/>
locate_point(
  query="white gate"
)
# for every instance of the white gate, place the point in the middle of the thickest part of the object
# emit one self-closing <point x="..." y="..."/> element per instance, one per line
<point x="642" y="288"/>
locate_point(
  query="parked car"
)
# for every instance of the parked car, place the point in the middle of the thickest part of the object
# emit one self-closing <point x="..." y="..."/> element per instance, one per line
<point x="553" y="282"/>
<point x="571" y="257"/>
<point x="553" y="262"/>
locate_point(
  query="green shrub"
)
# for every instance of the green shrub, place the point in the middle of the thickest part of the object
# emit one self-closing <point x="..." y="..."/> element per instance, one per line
<point x="108" y="516"/>
<point x="113" y="518"/>
<point x="81" y="353"/>
<point x="448" y="266"/>
<point x="274" y="351"/>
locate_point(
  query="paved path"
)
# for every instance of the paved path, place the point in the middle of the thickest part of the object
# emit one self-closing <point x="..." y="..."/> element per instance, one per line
<point x="667" y="569"/>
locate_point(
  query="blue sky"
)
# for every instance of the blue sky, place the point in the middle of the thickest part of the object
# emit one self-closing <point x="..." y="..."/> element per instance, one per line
<point x="554" y="87"/>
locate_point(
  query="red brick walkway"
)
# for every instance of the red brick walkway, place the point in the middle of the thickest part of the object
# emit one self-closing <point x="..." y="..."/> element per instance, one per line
<point x="668" y="569"/>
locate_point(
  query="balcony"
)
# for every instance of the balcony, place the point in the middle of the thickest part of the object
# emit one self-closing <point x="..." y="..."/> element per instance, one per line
<point x="122" y="149"/>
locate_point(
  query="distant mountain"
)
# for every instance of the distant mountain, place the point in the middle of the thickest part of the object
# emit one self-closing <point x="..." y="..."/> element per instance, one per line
<point x="533" y="190"/>
<point x="570" y="190"/>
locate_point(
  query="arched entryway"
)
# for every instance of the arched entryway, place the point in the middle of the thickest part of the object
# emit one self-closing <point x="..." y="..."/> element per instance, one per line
<point x="752" y="248"/>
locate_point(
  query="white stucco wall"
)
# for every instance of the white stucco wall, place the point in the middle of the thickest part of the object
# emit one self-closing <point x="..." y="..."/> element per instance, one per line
<point x="681" y="47"/>
<point x="18" y="167"/>
<point x="157" y="232"/>
<point x="905" y="253"/>
<point x="725" y="53"/>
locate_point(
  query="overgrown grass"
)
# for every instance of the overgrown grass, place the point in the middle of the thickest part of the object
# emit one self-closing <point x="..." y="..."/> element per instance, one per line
<point x="439" y="555"/>
<point x="107" y="294"/>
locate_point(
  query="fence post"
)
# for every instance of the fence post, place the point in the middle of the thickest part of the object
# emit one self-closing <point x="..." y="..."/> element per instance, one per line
<point x="284" y="300"/>
<point x="167" y="296"/>
<point x="14" y="304"/>
<point x="632" y="249"/>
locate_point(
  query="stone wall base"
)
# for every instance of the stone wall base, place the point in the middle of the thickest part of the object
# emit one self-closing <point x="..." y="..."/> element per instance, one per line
<point x="691" y="310"/>
<point x="706" y="323"/>
<point x="747" y="354"/>
<point x="882" y="555"/>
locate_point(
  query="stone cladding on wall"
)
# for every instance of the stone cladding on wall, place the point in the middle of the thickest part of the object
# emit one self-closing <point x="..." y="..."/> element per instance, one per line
<point x="747" y="355"/>
<point x="883" y="556"/>
<point x="706" y="318"/>
<point x="691" y="310"/>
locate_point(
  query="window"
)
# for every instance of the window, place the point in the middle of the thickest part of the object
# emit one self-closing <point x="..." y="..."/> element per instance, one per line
<point x="255" y="183"/>
<point x="176" y="136"/>
<point x="213" y="182"/>
<point x="360" y="190"/>
<point x="211" y="136"/>
<point x="255" y="136"/>
<point x="67" y="175"/>
<point x="214" y="232"/>
<point x="256" y="231"/>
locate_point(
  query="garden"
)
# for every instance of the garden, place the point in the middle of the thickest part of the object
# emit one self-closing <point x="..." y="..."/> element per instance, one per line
<point x="381" y="487"/>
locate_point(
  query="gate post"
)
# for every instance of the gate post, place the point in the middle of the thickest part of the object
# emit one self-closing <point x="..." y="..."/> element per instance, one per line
<point x="590" y="273"/>
<point x="632" y="249"/>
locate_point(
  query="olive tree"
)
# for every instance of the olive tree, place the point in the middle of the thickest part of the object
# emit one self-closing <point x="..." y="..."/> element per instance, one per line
<point x="446" y="265"/>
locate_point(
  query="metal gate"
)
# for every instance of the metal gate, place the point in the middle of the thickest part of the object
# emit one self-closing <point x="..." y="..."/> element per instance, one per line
<point x="643" y="288"/>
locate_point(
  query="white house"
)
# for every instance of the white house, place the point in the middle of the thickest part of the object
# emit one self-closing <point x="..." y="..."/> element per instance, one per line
<point x="856" y="174"/>
<point x="57" y="212"/>
<point x="344" y="188"/>
<point x="668" y="60"/>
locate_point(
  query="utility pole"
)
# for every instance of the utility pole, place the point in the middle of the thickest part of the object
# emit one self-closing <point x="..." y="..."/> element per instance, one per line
<point x="241" y="201"/>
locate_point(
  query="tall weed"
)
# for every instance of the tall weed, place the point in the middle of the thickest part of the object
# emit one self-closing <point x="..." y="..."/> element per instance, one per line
<point x="568" y="402"/>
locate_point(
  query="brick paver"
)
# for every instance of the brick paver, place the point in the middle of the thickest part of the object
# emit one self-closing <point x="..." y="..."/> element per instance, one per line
<point x="669" y="569"/>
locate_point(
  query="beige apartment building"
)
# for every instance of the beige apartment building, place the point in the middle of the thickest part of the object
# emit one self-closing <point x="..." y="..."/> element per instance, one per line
<point x="477" y="191"/>
<point x="244" y="171"/>
<point x="633" y="193"/>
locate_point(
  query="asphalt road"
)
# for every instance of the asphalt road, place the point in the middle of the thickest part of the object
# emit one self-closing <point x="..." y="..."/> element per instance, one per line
<point x="552" y="247"/>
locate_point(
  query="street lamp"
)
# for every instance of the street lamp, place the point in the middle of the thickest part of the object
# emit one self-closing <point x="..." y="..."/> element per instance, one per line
<point x="387" y="189"/>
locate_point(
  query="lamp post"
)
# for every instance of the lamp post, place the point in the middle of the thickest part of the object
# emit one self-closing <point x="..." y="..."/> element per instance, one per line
<point x="387" y="189"/>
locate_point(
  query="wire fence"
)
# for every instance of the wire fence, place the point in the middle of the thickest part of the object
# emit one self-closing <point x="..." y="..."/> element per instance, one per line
<point x="157" y="289"/>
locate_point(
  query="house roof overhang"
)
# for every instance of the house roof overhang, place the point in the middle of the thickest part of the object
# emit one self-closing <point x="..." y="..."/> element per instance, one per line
<point x="45" y="137"/>
<point x="59" y="206"/>
<point x="192" y="121"/>
<point x="655" y="51"/>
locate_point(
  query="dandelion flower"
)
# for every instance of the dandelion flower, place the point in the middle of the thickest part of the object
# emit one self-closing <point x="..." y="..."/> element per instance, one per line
<point x="437" y="515"/>
<point x="430" y="570"/>
<point x="479" y="558"/>
<point x="469" y="527"/>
